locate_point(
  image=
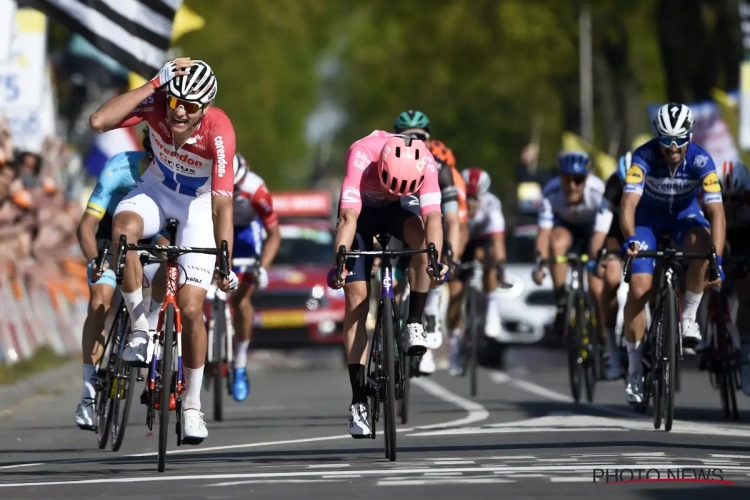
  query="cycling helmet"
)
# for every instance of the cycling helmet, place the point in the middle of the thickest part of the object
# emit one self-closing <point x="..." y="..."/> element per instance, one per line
<point x="477" y="182"/>
<point x="401" y="165"/>
<point x="442" y="153"/>
<point x="411" y="119"/>
<point x="574" y="163"/>
<point x="240" y="168"/>
<point x="146" y="140"/>
<point x="674" y="120"/>
<point x="734" y="178"/>
<point x="623" y="164"/>
<point x="199" y="85"/>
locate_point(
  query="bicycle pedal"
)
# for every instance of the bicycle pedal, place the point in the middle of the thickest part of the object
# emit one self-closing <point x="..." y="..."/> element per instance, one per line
<point x="361" y="436"/>
<point x="191" y="441"/>
<point x="139" y="378"/>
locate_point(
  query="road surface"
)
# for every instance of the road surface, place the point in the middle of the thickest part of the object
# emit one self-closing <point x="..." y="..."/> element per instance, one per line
<point x="521" y="438"/>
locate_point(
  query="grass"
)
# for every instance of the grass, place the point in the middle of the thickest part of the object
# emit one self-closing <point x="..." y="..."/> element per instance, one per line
<point x="43" y="359"/>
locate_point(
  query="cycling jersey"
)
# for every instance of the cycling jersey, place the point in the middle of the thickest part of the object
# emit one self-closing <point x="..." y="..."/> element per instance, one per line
<point x="203" y="164"/>
<point x="362" y="187"/>
<point x="557" y="211"/>
<point x="613" y="190"/>
<point x="489" y="218"/>
<point x="458" y="181"/>
<point x="253" y="200"/>
<point x="448" y="191"/>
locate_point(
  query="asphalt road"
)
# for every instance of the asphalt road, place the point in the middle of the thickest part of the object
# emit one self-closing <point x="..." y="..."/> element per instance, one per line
<point x="521" y="438"/>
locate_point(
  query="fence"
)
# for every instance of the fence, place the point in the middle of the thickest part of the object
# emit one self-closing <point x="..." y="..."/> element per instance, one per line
<point x="40" y="307"/>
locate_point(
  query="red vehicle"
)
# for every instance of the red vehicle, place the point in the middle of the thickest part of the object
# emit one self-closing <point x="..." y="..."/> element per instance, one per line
<point x="298" y="309"/>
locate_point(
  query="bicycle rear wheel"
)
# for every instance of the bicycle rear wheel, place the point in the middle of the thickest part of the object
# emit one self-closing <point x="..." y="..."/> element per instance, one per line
<point x="590" y="365"/>
<point x="126" y="378"/>
<point x="166" y="369"/>
<point x="389" y="360"/>
<point x="219" y="333"/>
<point x="670" y="349"/>
<point x="474" y="333"/>
<point x="573" y="337"/>
<point x="104" y="396"/>
<point x="406" y="363"/>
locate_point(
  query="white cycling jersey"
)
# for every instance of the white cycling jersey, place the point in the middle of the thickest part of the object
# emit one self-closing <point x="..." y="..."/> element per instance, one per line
<point x="556" y="208"/>
<point x="489" y="217"/>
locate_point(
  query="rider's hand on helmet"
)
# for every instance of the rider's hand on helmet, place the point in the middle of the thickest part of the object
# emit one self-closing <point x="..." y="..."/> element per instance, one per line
<point x="171" y="70"/>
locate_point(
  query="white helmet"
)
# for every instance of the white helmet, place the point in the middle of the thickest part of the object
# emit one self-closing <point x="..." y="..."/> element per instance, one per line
<point x="734" y="178"/>
<point x="240" y="168"/>
<point x="477" y="182"/>
<point x="199" y="85"/>
<point x="674" y="120"/>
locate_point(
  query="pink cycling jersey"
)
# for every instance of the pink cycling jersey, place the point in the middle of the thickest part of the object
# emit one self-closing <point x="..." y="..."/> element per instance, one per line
<point x="362" y="187"/>
<point x="202" y="164"/>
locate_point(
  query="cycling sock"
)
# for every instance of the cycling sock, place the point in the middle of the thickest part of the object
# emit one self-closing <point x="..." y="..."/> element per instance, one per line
<point x="153" y="315"/>
<point x="559" y="297"/>
<point x="432" y="304"/>
<point x="193" y="382"/>
<point x="356" y="379"/>
<point x="692" y="301"/>
<point x="240" y="353"/>
<point x="89" y="378"/>
<point x="416" y="307"/>
<point x="612" y="345"/>
<point x="634" y="358"/>
<point x="134" y="303"/>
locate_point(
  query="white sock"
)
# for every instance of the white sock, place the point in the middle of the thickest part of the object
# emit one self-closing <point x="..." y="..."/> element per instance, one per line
<point x="692" y="301"/>
<point x="193" y="383"/>
<point x="634" y="358"/>
<point x="134" y="303"/>
<point x="89" y="379"/>
<point x="240" y="353"/>
<point x="432" y="304"/>
<point x="153" y="314"/>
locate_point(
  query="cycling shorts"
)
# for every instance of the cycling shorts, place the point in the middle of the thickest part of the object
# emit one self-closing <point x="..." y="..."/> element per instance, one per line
<point x="155" y="203"/>
<point x="580" y="233"/>
<point x="371" y="222"/>
<point x="248" y="244"/>
<point x="651" y="224"/>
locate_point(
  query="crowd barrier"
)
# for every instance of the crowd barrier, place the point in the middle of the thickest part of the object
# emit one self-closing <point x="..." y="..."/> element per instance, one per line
<point x="39" y="308"/>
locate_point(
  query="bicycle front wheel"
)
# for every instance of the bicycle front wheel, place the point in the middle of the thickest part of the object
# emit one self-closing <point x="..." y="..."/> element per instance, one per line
<point x="474" y="333"/>
<point x="573" y="334"/>
<point x="389" y="348"/>
<point x="670" y="350"/>
<point x="219" y="333"/>
<point x="105" y="397"/>
<point x="167" y="366"/>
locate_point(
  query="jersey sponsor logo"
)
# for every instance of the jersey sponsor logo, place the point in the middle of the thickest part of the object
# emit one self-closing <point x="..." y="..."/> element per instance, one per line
<point x="634" y="176"/>
<point x="350" y="195"/>
<point x="711" y="183"/>
<point x="361" y="160"/>
<point x="94" y="210"/>
<point x="221" y="160"/>
<point x="99" y="189"/>
<point x="384" y="154"/>
<point x="700" y="161"/>
<point x="421" y="164"/>
<point x="147" y="101"/>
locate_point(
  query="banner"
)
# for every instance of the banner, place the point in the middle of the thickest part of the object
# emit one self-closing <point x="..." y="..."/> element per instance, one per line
<point x="744" y="135"/>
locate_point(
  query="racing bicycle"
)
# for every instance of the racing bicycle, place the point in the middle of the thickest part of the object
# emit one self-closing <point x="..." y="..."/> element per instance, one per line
<point x="474" y="305"/>
<point x="385" y="372"/>
<point x="166" y="384"/>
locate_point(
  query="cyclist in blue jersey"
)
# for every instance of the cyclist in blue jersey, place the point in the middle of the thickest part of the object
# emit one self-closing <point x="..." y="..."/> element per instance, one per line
<point x="120" y="175"/>
<point x="660" y="196"/>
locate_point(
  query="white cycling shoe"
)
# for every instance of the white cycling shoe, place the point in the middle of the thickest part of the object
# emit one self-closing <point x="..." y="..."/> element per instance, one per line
<point x="691" y="335"/>
<point x="417" y="340"/>
<point x="86" y="414"/>
<point x="359" y="426"/>
<point x="139" y="350"/>
<point x="634" y="389"/>
<point x="427" y="363"/>
<point x="193" y="427"/>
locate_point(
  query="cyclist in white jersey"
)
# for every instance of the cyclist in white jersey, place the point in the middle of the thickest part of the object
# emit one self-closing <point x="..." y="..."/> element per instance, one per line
<point x="188" y="180"/>
<point x="568" y="217"/>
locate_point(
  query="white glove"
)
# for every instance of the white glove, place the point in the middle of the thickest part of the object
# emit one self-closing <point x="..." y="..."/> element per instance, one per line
<point x="234" y="282"/>
<point x="262" y="278"/>
<point x="167" y="72"/>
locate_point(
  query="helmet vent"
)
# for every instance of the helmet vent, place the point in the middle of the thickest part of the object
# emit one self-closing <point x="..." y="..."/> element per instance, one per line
<point x="394" y="183"/>
<point x="412" y="186"/>
<point x="398" y="152"/>
<point x="403" y="187"/>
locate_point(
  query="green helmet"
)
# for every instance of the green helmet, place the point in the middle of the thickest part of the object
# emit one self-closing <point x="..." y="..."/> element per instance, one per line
<point x="412" y="119"/>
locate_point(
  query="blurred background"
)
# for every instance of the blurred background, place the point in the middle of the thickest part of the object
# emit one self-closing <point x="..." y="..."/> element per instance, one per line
<point x="506" y="84"/>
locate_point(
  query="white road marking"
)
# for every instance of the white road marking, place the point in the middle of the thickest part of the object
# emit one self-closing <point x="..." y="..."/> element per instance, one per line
<point x="475" y="411"/>
<point x="327" y="466"/>
<point x="152" y="478"/>
<point x="564" y="479"/>
<point x="278" y="481"/>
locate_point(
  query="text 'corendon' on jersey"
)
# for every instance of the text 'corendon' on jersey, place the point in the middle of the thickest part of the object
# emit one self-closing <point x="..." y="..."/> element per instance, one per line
<point x="200" y="165"/>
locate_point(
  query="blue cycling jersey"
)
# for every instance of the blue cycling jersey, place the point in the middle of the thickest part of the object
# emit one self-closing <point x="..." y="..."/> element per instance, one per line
<point x="120" y="175"/>
<point x="661" y="190"/>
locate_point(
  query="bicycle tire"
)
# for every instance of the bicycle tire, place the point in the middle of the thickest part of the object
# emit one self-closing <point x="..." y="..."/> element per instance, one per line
<point x="670" y="348"/>
<point x="389" y="358"/>
<point x="104" y="400"/>
<point x="732" y="386"/>
<point x="406" y="363"/>
<point x="219" y="333"/>
<point x="727" y="379"/>
<point x="120" y="421"/>
<point x="592" y="352"/>
<point x="573" y="344"/>
<point x="167" y="366"/>
<point x="474" y="336"/>
<point x="655" y="372"/>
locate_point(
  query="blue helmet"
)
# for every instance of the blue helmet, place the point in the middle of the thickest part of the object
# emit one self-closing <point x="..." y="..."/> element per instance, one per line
<point x="574" y="163"/>
<point x="623" y="164"/>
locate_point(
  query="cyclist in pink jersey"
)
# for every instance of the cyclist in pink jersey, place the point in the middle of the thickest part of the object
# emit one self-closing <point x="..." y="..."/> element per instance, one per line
<point x="390" y="181"/>
<point x="189" y="179"/>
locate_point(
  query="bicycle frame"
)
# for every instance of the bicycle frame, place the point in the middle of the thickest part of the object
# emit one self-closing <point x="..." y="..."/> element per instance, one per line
<point x="172" y="274"/>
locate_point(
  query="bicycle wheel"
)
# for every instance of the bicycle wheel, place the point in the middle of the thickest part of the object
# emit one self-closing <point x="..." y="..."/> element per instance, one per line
<point x="474" y="333"/>
<point x="573" y="335"/>
<point x="104" y="396"/>
<point x="219" y="334"/>
<point x="406" y="363"/>
<point x="670" y="349"/>
<point x="590" y="350"/>
<point x="726" y="370"/>
<point x="389" y="359"/>
<point x="167" y="366"/>
<point x="126" y="379"/>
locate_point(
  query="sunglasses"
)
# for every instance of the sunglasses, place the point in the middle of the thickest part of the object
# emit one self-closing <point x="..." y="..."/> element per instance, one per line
<point x="679" y="142"/>
<point x="575" y="179"/>
<point x="189" y="107"/>
<point x="422" y="136"/>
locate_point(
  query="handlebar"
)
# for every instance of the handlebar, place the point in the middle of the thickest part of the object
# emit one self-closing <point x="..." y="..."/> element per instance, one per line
<point x="342" y="254"/>
<point x="672" y="254"/>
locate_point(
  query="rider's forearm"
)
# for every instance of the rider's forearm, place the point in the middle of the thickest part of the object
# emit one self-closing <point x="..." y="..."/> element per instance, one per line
<point x="542" y="242"/>
<point x="433" y="225"/>
<point x="345" y="231"/>
<point x="270" y="247"/>
<point x="627" y="214"/>
<point x="597" y="242"/>
<point x="112" y="112"/>
<point x="498" y="248"/>
<point x="716" y="217"/>
<point x="87" y="238"/>
<point x="223" y="217"/>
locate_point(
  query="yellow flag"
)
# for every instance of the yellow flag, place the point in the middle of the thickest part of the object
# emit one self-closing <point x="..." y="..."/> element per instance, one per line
<point x="604" y="165"/>
<point x="185" y="21"/>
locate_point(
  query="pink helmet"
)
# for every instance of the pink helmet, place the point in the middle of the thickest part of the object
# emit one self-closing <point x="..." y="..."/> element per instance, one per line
<point x="401" y="165"/>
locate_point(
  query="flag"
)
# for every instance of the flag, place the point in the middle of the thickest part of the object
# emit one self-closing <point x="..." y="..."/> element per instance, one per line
<point x="107" y="145"/>
<point x="136" y="33"/>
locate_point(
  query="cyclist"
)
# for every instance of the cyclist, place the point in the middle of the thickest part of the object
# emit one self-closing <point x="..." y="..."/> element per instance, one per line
<point x="390" y="180"/>
<point x="567" y="220"/>
<point x="660" y="195"/>
<point x="486" y="243"/>
<point x="252" y="205"/>
<point x="735" y="182"/>
<point x="119" y="176"/>
<point x="610" y="269"/>
<point x="188" y="180"/>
